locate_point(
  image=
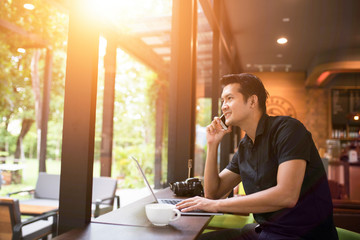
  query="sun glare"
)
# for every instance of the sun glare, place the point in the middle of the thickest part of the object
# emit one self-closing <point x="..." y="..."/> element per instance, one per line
<point x="29" y="6"/>
<point x="21" y="50"/>
<point x="117" y="11"/>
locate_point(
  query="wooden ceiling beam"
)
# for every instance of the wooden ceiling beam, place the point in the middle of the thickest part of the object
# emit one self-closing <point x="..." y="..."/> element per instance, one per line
<point x="215" y="25"/>
<point x="138" y="49"/>
<point x="30" y="40"/>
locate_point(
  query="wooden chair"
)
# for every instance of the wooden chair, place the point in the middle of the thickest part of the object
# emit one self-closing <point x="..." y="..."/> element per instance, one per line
<point x="11" y="226"/>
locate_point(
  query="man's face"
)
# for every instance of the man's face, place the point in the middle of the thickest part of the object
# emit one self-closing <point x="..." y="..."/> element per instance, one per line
<point x="234" y="107"/>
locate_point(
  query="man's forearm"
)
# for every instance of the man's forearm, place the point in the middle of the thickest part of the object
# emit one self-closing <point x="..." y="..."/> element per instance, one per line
<point x="284" y="195"/>
<point x="211" y="174"/>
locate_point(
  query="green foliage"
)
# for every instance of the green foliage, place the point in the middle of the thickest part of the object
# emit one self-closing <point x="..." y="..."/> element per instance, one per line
<point x="134" y="120"/>
<point x="46" y="21"/>
<point x="15" y="84"/>
<point x="50" y="25"/>
<point x="126" y="170"/>
<point x="30" y="143"/>
<point x="203" y="111"/>
<point x="136" y="91"/>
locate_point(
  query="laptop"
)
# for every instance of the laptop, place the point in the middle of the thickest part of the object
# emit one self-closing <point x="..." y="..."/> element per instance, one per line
<point x="172" y="201"/>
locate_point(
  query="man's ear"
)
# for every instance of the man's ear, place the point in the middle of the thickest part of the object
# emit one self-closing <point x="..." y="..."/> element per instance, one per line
<point x="253" y="100"/>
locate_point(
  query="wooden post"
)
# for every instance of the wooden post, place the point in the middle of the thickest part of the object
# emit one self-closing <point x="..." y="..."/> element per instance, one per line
<point x="182" y="90"/>
<point x="215" y="84"/>
<point x="159" y="134"/>
<point x="79" y="119"/>
<point x="108" y="109"/>
<point x="45" y="110"/>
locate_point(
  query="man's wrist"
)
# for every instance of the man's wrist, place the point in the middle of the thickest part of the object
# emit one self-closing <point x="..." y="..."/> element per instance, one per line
<point x="218" y="205"/>
<point x="213" y="145"/>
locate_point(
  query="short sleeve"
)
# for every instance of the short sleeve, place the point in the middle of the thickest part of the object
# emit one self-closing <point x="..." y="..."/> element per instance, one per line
<point x="292" y="141"/>
<point x="234" y="164"/>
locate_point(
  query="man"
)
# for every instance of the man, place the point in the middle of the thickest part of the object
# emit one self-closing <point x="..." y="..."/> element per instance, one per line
<point x="277" y="161"/>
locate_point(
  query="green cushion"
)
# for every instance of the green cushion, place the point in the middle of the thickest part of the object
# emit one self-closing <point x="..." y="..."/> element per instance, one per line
<point x="230" y="221"/>
<point x="237" y="221"/>
<point x="347" y="235"/>
<point x="241" y="189"/>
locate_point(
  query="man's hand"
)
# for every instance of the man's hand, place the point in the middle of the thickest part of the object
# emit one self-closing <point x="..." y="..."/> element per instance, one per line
<point x="214" y="132"/>
<point x="197" y="203"/>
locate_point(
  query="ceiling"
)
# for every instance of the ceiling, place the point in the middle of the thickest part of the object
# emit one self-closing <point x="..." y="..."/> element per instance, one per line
<point x="323" y="36"/>
<point x="318" y="31"/>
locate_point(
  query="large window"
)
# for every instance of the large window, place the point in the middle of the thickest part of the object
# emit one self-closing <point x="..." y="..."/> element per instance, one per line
<point x="203" y="88"/>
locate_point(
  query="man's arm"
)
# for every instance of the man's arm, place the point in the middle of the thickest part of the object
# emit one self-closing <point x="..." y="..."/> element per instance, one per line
<point x="284" y="195"/>
<point x="216" y="185"/>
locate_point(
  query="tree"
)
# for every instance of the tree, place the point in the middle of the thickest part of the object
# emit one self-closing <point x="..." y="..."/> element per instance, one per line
<point x="21" y="84"/>
<point x="15" y="86"/>
<point x="25" y="127"/>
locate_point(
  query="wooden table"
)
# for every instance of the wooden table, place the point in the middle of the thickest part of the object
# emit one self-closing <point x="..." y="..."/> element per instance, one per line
<point x="27" y="209"/>
<point x="130" y="222"/>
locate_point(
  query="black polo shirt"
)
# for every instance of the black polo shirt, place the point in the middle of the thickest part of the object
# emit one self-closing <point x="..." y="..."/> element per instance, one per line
<point x="280" y="139"/>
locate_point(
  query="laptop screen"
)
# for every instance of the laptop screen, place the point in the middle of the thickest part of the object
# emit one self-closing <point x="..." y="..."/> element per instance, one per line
<point x="145" y="179"/>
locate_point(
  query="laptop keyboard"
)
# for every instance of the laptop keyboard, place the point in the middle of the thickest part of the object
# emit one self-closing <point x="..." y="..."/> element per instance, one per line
<point x="171" y="201"/>
<point x="194" y="213"/>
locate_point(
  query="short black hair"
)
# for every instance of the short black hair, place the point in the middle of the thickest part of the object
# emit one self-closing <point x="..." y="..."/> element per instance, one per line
<point x="249" y="85"/>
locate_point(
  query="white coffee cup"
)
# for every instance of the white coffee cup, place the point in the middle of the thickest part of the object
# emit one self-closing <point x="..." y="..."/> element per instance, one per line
<point x="161" y="214"/>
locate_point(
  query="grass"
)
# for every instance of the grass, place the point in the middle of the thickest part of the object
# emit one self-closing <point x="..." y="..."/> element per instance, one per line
<point x="30" y="174"/>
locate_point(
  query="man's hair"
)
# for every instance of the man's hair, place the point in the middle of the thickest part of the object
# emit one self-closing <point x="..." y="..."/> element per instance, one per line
<point x="249" y="85"/>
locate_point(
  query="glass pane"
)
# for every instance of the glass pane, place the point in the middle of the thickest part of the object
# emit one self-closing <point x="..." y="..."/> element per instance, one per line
<point x="203" y="89"/>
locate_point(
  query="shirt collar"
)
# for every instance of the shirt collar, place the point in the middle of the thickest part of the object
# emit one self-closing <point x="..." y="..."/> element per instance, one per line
<point x="259" y="130"/>
<point x="261" y="125"/>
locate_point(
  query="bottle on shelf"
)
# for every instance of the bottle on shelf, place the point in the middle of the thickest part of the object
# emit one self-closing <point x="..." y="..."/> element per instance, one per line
<point x="353" y="156"/>
<point x="344" y="154"/>
<point x="333" y="150"/>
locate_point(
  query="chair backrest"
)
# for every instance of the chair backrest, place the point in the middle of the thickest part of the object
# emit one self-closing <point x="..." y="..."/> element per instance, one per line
<point x="9" y="217"/>
<point x="104" y="187"/>
<point x="48" y="186"/>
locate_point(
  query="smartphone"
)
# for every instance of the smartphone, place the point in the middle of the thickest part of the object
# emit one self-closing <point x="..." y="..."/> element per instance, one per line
<point x="222" y="122"/>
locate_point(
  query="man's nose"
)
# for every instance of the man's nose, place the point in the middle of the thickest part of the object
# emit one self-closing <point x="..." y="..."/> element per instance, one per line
<point x="224" y="106"/>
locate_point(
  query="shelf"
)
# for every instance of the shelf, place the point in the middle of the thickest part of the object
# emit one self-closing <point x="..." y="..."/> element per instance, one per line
<point x="344" y="102"/>
<point x="347" y="139"/>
